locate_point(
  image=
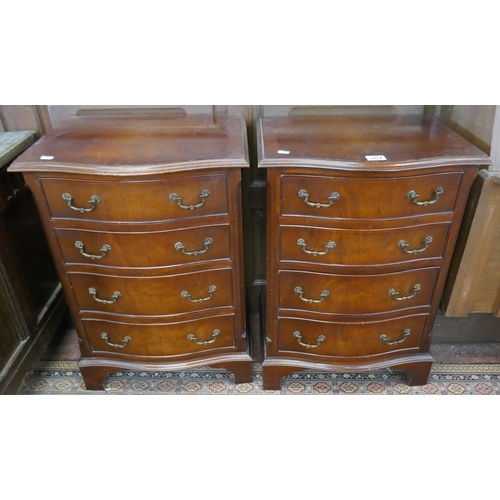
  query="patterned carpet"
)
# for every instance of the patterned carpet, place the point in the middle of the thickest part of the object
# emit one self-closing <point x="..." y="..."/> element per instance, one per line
<point x="63" y="377"/>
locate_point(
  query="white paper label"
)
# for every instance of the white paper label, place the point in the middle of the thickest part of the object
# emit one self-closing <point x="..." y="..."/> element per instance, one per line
<point x="376" y="158"/>
<point x="283" y="152"/>
<point x="46" y="157"/>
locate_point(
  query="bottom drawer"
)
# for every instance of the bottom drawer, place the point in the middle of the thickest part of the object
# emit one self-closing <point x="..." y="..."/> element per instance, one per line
<point x="172" y="339"/>
<point x="349" y="339"/>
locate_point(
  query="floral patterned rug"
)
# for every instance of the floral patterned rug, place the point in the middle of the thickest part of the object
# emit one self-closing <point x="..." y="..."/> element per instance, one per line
<point x="63" y="377"/>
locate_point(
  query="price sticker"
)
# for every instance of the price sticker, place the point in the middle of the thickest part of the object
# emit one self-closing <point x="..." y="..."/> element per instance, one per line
<point x="375" y="157"/>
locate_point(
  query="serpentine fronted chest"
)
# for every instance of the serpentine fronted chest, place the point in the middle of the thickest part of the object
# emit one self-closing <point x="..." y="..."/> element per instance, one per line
<point x="362" y="218"/>
<point x="143" y="217"/>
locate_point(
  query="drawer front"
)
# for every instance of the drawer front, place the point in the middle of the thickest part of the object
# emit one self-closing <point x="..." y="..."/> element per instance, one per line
<point x="155" y="296"/>
<point x="350" y="247"/>
<point x="352" y="198"/>
<point x="349" y="339"/>
<point x="356" y="294"/>
<point x="161" y="339"/>
<point x="136" y="201"/>
<point x="154" y="249"/>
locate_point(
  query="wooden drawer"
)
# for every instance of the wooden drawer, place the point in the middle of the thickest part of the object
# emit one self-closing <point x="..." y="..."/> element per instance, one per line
<point x="160" y="340"/>
<point x="356" y="294"/>
<point x="138" y="200"/>
<point x="153" y="249"/>
<point x="155" y="296"/>
<point x="351" y="247"/>
<point x="349" y="339"/>
<point x="368" y="198"/>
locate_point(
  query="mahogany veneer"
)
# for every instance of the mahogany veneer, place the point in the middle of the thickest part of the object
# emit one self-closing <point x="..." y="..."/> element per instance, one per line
<point x="143" y="218"/>
<point x="358" y="248"/>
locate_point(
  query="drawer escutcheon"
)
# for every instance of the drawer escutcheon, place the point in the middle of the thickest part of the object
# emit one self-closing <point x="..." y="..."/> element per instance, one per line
<point x="94" y="200"/>
<point x="104" y="250"/>
<point x="302" y="244"/>
<point x="386" y="340"/>
<point x="180" y="246"/>
<point x="125" y="342"/>
<point x="333" y="197"/>
<point x="298" y="290"/>
<point x="298" y="336"/>
<point x="193" y="338"/>
<point x="413" y="196"/>
<point x="211" y="291"/>
<point x="404" y="246"/>
<point x="175" y="197"/>
<point x="412" y="294"/>
<point x="114" y="297"/>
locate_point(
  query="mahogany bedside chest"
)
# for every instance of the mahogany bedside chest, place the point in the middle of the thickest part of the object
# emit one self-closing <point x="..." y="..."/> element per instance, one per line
<point x="362" y="218"/>
<point x="143" y="218"/>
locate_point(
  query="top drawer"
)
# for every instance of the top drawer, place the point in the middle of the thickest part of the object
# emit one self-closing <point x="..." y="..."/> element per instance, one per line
<point x="136" y="201"/>
<point x="365" y="198"/>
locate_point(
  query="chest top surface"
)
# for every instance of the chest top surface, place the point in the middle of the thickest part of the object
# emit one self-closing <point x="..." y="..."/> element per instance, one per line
<point x="139" y="145"/>
<point x="345" y="141"/>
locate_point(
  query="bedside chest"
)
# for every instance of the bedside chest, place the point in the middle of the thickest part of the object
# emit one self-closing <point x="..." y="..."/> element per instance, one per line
<point x="143" y="217"/>
<point x="362" y="218"/>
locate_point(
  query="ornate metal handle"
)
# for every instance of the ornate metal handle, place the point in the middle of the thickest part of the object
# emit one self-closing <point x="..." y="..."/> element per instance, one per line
<point x="114" y="297"/>
<point x="94" y="200"/>
<point x="211" y="291"/>
<point x="414" y="197"/>
<point x="395" y="294"/>
<point x="298" y="336"/>
<point x="333" y="197"/>
<point x="323" y="295"/>
<point x="180" y="246"/>
<point x="104" y="250"/>
<point x="175" y="197"/>
<point x="125" y="342"/>
<point x="402" y="244"/>
<point x="385" y="339"/>
<point x="194" y="338"/>
<point x="329" y="246"/>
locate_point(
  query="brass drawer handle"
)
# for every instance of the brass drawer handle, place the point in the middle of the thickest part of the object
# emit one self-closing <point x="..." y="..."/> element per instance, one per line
<point x="404" y="246"/>
<point x="298" y="290"/>
<point x="193" y="338"/>
<point x="125" y="342"/>
<point x="175" y="197"/>
<point x="114" y="297"/>
<point x="211" y="291"/>
<point x="333" y="197"/>
<point x="104" y="250"/>
<point x="94" y="200"/>
<point x="298" y="336"/>
<point x="413" y="292"/>
<point x="302" y="244"/>
<point x="180" y="246"/>
<point x="414" y="197"/>
<point x="385" y="339"/>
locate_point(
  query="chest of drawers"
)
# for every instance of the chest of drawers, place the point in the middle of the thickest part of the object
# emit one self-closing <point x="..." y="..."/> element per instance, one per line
<point x="362" y="218"/>
<point x="143" y="217"/>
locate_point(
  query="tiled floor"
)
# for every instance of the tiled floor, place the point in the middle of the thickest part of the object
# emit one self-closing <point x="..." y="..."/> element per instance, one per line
<point x="64" y="347"/>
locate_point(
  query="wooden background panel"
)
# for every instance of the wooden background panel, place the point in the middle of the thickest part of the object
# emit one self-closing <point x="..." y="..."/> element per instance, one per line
<point x="473" y="283"/>
<point x="22" y="118"/>
<point x="57" y="115"/>
<point x="340" y="110"/>
<point x="475" y="123"/>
